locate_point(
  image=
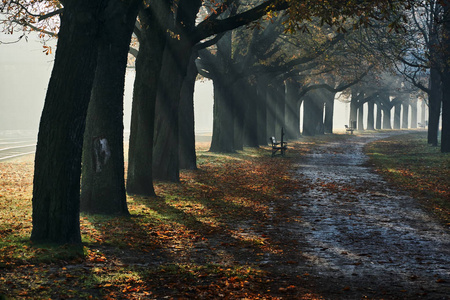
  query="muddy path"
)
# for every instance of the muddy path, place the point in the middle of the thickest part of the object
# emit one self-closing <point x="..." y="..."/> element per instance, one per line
<point x="361" y="238"/>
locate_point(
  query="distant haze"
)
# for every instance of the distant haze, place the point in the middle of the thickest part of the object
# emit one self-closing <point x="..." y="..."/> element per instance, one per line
<point x="25" y="71"/>
<point x="24" y="74"/>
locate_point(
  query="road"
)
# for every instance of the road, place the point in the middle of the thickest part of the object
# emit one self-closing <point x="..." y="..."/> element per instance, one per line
<point x="16" y="143"/>
<point x="362" y="235"/>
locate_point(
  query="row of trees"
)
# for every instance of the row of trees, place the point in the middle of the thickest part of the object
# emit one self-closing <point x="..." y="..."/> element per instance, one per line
<point x="178" y="39"/>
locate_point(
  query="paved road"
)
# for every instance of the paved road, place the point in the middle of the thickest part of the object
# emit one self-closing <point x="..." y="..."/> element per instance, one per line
<point x="362" y="235"/>
<point x="16" y="143"/>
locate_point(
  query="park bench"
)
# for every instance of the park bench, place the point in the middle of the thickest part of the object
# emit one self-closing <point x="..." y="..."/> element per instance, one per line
<point x="282" y="146"/>
<point x="349" y="129"/>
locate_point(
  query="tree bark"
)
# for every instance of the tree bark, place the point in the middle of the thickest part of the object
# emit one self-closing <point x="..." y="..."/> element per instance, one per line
<point x="379" y="116"/>
<point x="414" y="112"/>
<point x="445" y="134"/>
<point x="176" y="58"/>
<point x="405" y="115"/>
<point x="262" y="114"/>
<point x="56" y="185"/>
<point x="271" y="110"/>
<point x="397" y="113"/>
<point x="188" y="157"/>
<point x="329" y="111"/>
<point x="434" y="106"/>
<point x="148" y="66"/>
<point x="223" y="121"/>
<point x="423" y="106"/>
<point x="313" y="114"/>
<point x="102" y="184"/>
<point x="280" y="115"/>
<point x="251" y="118"/>
<point x="240" y="103"/>
<point x="353" y="107"/>
<point x="361" y="116"/>
<point x="292" y="122"/>
<point x="370" y="115"/>
<point x="387" y="118"/>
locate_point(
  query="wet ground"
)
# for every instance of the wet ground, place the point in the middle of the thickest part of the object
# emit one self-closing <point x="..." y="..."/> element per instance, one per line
<point x="362" y="238"/>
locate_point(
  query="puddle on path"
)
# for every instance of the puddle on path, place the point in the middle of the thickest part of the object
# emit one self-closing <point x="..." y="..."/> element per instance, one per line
<point x="359" y="232"/>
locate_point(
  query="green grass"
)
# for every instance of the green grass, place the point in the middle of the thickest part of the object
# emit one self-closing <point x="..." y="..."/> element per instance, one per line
<point x="410" y="163"/>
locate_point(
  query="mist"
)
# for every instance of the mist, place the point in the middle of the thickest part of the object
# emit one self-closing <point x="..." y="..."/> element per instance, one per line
<point x="25" y="71"/>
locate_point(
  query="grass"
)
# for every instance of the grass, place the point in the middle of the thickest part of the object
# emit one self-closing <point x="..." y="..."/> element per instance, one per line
<point x="410" y="163"/>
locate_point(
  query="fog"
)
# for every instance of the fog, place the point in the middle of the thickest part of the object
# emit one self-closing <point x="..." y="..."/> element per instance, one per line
<point x="24" y="74"/>
<point x="25" y="71"/>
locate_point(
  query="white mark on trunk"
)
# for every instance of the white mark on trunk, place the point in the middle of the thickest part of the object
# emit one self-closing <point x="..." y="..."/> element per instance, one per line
<point x="102" y="153"/>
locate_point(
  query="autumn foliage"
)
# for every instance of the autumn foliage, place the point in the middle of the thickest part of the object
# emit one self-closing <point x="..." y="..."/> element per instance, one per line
<point x="203" y="238"/>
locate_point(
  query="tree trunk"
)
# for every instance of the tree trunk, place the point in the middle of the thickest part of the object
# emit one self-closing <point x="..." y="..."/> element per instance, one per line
<point x="370" y="115"/>
<point x="251" y="118"/>
<point x="280" y="108"/>
<point x="414" y="112"/>
<point x="353" y="108"/>
<point x="165" y="141"/>
<point x="188" y="158"/>
<point x="387" y="118"/>
<point x="445" y="134"/>
<point x="261" y="108"/>
<point x="361" y="117"/>
<point x="223" y="121"/>
<point x="239" y="101"/>
<point x="423" y="107"/>
<point x="397" y="113"/>
<point x="313" y="114"/>
<point x="292" y="113"/>
<point x="177" y="54"/>
<point x="56" y="185"/>
<point x="379" y="116"/>
<point x="329" y="112"/>
<point x="148" y="66"/>
<point x="405" y="115"/>
<point x="434" y="106"/>
<point x="271" y="110"/>
<point x="102" y="184"/>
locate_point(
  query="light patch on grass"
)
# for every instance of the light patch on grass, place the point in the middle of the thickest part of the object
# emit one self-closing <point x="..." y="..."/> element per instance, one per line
<point x="409" y="162"/>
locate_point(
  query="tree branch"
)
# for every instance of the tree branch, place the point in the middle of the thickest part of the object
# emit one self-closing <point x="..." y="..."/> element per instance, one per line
<point x="340" y="88"/>
<point x="210" y="27"/>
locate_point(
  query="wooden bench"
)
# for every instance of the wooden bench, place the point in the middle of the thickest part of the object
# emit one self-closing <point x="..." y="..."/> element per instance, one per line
<point x="282" y="146"/>
<point x="349" y="129"/>
<point x="278" y="146"/>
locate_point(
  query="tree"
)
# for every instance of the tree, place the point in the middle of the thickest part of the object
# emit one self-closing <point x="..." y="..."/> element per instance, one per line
<point x="445" y="139"/>
<point x="152" y="38"/>
<point x="166" y="145"/>
<point x="56" y="185"/>
<point x="102" y="184"/>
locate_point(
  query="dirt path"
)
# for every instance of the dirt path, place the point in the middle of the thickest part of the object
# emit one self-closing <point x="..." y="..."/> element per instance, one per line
<point x="361" y="237"/>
